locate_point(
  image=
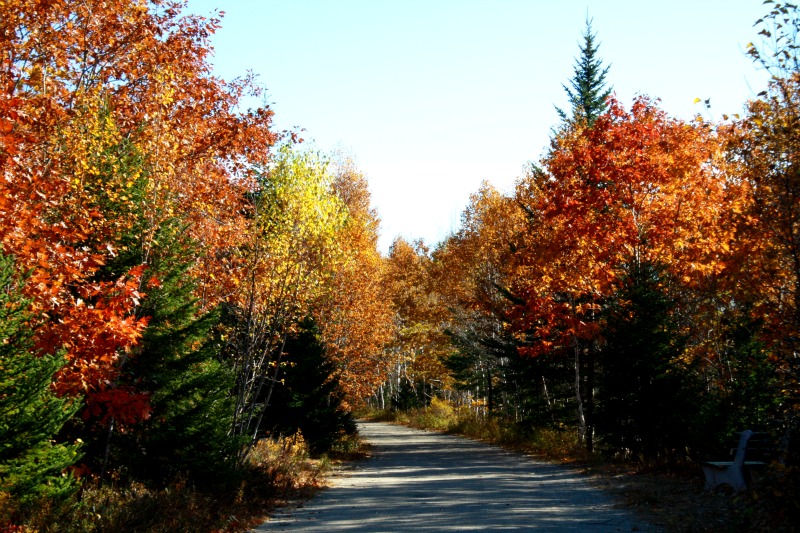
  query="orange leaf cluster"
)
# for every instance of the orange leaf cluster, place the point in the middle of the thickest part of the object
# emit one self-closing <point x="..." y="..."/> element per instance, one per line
<point x="637" y="186"/>
<point x="110" y="123"/>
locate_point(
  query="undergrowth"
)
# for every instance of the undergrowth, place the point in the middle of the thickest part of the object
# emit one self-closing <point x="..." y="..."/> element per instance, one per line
<point x="277" y="471"/>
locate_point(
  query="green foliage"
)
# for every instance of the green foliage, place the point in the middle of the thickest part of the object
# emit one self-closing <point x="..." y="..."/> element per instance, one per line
<point x="747" y="392"/>
<point x="308" y="398"/>
<point x="192" y="408"/>
<point x="587" y="91"/>
<point x="407" y="397"/>
<point x="517" y="388"/>
<point x="480" y="360"/>
<point x="32" y="464"/>
<point x="175" y="371"/>
<point x="647" y="398"/>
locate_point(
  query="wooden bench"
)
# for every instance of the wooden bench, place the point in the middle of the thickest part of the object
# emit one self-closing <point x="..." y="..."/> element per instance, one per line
<point x="751" y="452"/>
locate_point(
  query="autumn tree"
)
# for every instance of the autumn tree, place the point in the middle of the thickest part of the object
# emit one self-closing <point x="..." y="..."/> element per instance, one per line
<point x="294" y="218"/>
<point x="636" y="188"/>
<point x="113" y="128"/>
<point x="765" y="145"/>
<point x="588" y="96"/>
<point x="419" y="343"/>
<point x="473" y="270"/>
<point x="354" y="314"/>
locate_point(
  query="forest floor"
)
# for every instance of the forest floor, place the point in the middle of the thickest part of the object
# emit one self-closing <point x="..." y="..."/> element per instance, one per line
<point x="674" y="501"/>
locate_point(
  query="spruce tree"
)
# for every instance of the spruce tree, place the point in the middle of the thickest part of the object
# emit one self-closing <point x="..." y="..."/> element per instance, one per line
<point x="648" y="395"/>
<point x="308" y="398"/>
<point x="32" y="464"/>
<point x="179" y="363"/>
<point x="587" y="89"/>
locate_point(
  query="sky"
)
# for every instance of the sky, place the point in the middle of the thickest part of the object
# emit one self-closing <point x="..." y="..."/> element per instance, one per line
<point x="432" y="97"/>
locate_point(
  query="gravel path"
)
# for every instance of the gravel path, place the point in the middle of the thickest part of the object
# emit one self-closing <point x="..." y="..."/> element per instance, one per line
<point x="421" y="481"/>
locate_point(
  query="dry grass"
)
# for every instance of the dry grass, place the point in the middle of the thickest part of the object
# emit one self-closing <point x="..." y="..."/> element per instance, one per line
<point x="279" y="472"/>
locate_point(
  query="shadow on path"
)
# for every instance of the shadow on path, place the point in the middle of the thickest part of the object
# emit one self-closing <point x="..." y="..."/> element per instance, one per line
<point x="421" y="481"/>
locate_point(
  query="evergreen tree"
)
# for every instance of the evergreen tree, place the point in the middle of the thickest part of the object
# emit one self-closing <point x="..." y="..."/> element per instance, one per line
<point x="32" y="464"/>
<point x="177" y="365"/>
<point x="308" y="398"/>
<point x="647" y="397"/>
<point x="587" y="89"/>
<point x="180" y="365"/>
<point x="748" y="394"/>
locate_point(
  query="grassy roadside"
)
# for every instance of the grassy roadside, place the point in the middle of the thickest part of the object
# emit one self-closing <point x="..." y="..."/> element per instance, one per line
<point x="278" y="472"/>
<point x="671" y="497"/>
<point x="549" y="443"/>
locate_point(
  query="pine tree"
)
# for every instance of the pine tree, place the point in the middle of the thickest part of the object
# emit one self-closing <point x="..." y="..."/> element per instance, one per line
<point x="587" y="91"/>
<point x="308" y="398"/>
<point x="179" y="364"/>
<point x="32" y="465"/>
<point x="647" y="394"/>
<point x="175" y="371"/>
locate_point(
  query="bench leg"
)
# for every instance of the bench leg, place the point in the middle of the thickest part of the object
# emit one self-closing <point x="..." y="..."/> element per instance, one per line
<point x="724" y="476"/>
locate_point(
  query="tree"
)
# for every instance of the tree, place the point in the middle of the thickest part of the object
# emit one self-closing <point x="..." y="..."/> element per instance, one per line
<point x="766" y="145"/>
<point x="472" y="272"/>
<point x="178" y="364"/>
<point x="587" y="91"/>
<point x="106" y="108"/>
<point x="32" y="463"/>
<point x="294" y="219"/>
<point x="637" y="187"/>
<point x="354" y="313"/>
<point x="648" y="399"/>
<point x="419" y="344"/>
<point x="308" y="397"/>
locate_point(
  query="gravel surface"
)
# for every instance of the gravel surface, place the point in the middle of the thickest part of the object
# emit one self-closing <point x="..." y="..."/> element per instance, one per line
<point x="421" y="481"/>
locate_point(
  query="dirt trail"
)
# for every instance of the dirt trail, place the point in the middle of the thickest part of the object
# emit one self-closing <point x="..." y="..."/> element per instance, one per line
<point x="421" y="481"/>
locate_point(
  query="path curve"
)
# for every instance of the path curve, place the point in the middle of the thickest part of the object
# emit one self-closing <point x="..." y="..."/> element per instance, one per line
<point x="422" y="481"/>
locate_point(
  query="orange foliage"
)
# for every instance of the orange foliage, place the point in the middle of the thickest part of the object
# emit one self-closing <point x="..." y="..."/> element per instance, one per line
<point x="638" y="186"/>
<point x="101" y="99"/>
<point x="355" y="315"/>
<point x="419" y="343"/>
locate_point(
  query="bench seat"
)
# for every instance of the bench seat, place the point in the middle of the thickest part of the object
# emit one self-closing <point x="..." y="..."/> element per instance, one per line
<point x="731" y="472"/>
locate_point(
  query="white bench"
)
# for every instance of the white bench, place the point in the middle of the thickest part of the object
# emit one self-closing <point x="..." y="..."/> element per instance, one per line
<point x="731" y="472"/>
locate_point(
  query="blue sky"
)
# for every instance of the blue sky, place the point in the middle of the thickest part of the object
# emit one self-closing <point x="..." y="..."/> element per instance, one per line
<point x="431" y="97"/>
